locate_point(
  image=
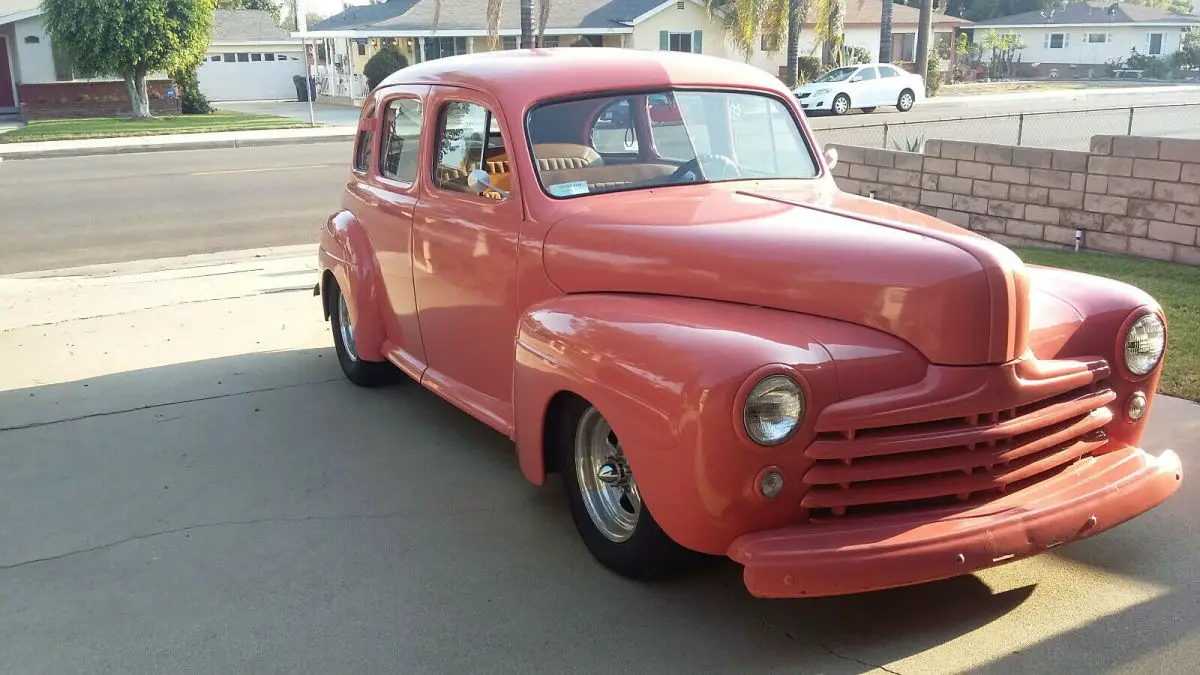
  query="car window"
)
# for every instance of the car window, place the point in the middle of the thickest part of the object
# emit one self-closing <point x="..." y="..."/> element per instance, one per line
<point x="362" y="151"/>
<point x="837" y="74"/>
<point x="402" y="131"/>
<point x="865" y="74"/>
<point x="698" y="136"/>
<point x="888" y="71"/>
<point x="613" y="131"/>
<point x="468" y="137"/>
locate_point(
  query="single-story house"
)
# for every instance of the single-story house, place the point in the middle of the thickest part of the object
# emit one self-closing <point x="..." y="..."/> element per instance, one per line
<point x="1079" y="40"/>
<point x="345" y="41"/>
<point x="250" y="58"/>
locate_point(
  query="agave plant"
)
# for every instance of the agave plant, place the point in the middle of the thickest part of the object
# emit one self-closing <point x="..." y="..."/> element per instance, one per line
<point x="910" y="144"/>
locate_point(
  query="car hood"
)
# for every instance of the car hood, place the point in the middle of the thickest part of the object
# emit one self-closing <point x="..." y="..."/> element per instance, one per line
<point x="815" y="86"/>
<point x="957" y="297"/>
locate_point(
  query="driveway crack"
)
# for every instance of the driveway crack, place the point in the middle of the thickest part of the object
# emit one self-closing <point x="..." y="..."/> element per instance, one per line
<point x="152" y="406"/>
<point x="232" y="523"/>
<point x="788" y="634"/>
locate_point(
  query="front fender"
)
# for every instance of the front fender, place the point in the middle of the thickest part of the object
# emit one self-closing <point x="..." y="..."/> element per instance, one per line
<point x="346" y="252"/>
<point x="669" y="374"/>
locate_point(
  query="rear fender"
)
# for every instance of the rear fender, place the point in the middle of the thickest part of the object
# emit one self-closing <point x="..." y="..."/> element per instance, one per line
<point x="670" y="375"/>
<point x="347" y="253"/>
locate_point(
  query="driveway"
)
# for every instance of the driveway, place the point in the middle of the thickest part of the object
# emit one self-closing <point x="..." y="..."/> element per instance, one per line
<point x="189" y="485"/>
<point x="333" y="115"/>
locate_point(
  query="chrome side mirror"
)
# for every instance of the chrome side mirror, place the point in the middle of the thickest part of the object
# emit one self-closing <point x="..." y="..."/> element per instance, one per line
<point x="478" y="182"/>
<point x="831" y="157"/>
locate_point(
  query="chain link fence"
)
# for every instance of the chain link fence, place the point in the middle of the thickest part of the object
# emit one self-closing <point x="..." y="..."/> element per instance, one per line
<point x="1058" y="130"/>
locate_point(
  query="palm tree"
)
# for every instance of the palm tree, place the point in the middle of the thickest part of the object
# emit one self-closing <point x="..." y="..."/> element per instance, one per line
<point x="829" y="30"/>
<point x="885" y="31"/>
<point x="495" y="9"/>
<point x="775" y="22"/>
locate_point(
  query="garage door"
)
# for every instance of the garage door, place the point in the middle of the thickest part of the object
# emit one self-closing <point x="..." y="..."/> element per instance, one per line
<point x="250" y="76"/>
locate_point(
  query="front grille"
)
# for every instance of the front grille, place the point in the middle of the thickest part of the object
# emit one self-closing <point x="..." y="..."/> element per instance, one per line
<point x="952" y="460"/>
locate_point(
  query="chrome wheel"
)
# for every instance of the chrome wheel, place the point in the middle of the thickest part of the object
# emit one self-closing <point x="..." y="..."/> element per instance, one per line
<point x="610" y="494"/>
<point x="906" y="101"/>
<point x="345" y="329"/>
<point x="841" y="105"/>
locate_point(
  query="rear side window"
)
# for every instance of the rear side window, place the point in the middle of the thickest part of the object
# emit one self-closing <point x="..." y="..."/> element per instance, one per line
<point x="362" y="153"/>
<point x="402" y="131"/>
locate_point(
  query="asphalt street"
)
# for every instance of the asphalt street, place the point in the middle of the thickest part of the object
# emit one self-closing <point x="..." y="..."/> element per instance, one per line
<point x="189" y="485"/>
<point x="84" y="210"/>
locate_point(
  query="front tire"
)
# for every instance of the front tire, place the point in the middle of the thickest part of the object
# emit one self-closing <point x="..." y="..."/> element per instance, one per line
<point x="841" y="104"/>
<point x="604" y="500"/>
<point x="362" y="373"/>
<point x="906" y="100"/>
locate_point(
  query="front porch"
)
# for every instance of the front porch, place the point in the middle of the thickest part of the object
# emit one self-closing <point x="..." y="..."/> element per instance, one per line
<point x="338" y="57"/>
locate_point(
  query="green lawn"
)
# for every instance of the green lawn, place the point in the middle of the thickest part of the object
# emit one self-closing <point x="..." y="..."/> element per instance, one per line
<point x="1176" y="287"/>
<point x="112" y="127"/>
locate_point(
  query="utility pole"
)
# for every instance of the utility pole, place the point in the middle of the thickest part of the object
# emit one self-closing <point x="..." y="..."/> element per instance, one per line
<point x="924" y="33"/>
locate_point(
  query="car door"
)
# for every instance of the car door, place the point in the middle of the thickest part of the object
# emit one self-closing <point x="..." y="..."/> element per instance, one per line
<point x="385" y="173"/>
<point x="890" y="84"/>
<point x="866" y="88"/>
<point x="465" y="256"/>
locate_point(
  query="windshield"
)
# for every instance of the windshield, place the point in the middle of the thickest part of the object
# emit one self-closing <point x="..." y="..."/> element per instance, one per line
<point x="630" y="141"/>
<point x="837" y="74"/>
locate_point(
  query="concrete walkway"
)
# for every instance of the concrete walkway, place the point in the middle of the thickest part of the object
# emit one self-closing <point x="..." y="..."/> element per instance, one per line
<point x="204" y="141"/>
<point x="329" y="115"/>
<point x="189" y="484"/>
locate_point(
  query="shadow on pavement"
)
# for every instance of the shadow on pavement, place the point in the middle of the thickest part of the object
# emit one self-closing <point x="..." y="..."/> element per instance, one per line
<point x="258" y="513"/>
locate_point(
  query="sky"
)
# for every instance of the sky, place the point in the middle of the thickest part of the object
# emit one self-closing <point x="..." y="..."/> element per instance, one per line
<point x="328" y="7"/>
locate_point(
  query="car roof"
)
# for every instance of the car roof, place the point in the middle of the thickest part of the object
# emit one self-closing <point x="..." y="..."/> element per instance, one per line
<point x="521" y="77"/>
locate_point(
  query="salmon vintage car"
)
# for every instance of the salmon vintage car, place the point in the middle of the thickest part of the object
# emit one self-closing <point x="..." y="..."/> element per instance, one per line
<point x="715" y="348"/>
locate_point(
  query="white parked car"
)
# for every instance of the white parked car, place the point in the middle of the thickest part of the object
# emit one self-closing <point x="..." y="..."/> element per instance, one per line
<point x="865" y="87"/>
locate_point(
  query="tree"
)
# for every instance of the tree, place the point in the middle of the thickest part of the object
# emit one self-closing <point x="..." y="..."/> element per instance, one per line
<point x="924" y="33"/>
<point x="383" y="63"/>
<point x="267" y="5"/>
<point x="773" y="23"/>
<point x="885" y="31"/>
<point x="495" y="9"/>
<point x="829" y="30"/>
<point x="130" y="39"/>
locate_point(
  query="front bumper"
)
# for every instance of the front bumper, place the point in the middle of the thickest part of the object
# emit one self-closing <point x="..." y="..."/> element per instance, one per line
<point x="851" y="555"/>
<point x="819" y="102"/>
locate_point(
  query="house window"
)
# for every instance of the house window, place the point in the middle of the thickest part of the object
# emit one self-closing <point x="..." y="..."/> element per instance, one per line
<point x="229" y="58"/>
<point x="256" y="57"/>
<point x="1057" y="40"/>
<point x="403" y="125"/>
<point x="216" y="57"/>
<point x="904" y="47"/>
<point x="508" y="42"/>
<point x="548" y="41"/>
<point x="268" y="57"/>
<point x="1099" y="38"/>
<point x="362" y="48"/>
<point x="441" y="47"/>
<point x="1154" y="44"/>
<point x="243" y="57"/>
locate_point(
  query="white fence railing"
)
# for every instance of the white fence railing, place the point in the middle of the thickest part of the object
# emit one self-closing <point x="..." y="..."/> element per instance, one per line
<point x="346" y="86"/>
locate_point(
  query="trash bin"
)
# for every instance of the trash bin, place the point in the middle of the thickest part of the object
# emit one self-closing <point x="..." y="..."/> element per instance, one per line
<point x="303" y="94"/>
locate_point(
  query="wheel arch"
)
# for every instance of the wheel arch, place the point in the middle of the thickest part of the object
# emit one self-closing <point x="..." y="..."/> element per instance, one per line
<point x="348" y="259"/>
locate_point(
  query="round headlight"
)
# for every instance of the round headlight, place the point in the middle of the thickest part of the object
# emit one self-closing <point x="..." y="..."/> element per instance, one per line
<point x="1144" y="344"/>
<point x="773" y="410"/>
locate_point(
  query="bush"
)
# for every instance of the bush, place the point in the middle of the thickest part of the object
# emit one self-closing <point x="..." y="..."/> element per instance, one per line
<point x="807" y="67"/>
<point x="857" y="55"/>
<point x="385" y="62"/>
<point x="194" y="103"/>
<point x="933" y="73"/>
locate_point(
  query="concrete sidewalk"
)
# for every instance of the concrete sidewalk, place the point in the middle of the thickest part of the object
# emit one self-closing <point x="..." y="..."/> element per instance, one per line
<point x="202" y="141"/>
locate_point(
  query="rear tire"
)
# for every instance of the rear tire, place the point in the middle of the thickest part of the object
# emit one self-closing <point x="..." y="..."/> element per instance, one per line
<point x="362" y="373"/>
<point x="614" y="524"/>
<point x="906" y="100"/>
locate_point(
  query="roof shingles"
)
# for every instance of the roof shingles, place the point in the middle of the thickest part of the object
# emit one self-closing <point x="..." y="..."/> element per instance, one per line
<point x="1094" y="13"/>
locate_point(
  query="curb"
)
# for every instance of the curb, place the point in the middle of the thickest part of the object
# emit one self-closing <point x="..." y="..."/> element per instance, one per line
<point x="173" y="145"/>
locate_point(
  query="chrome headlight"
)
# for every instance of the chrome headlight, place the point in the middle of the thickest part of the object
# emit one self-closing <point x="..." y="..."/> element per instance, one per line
<point x="1144" y="343"/>
<point x="774" y="409"/>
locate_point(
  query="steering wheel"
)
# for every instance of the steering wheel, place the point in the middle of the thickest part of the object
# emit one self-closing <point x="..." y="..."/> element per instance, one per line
<point x="728" y="168"/>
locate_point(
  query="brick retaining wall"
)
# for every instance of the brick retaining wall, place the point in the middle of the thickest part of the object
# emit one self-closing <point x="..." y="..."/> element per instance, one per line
<point x="71" y="100"/>
<point x="1132" y="195"/>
